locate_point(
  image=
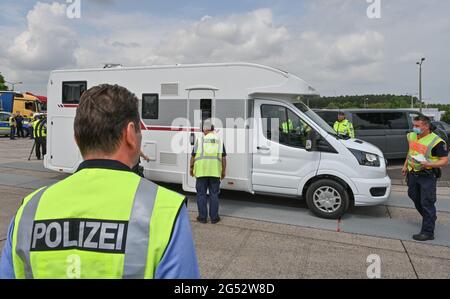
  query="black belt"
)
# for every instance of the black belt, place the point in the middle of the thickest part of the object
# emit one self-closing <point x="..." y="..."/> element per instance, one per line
<point x="429" y="172"/>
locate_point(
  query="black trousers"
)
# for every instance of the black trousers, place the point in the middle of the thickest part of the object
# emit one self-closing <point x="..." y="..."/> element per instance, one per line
<point x="422" y="191"/>
<point x="41" y="143"/>
<point x="12" y="133"/>
<point x="20" y="132"/>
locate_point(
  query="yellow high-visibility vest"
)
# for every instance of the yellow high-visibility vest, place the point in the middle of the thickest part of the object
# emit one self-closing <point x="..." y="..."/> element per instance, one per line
<point x="344" y="128"/>
<point x="97" y="223"/>
<point x="423" y="146"/>
<point x="208" y="156"/>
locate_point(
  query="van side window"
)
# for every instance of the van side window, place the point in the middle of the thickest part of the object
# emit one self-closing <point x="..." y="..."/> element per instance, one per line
<point x="396" y="120"/>
<point x="150" y="106"/>
<point x="72" y="91"/>
<point x="369" y="121"/>
<point x="283" y="126"/>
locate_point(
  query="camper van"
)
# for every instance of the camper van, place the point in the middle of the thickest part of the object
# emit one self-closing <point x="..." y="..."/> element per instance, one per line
<point x="248" y="104"/>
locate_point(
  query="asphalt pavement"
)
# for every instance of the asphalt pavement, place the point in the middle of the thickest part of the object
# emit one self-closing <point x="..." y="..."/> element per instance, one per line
<point x="270" y="237"/>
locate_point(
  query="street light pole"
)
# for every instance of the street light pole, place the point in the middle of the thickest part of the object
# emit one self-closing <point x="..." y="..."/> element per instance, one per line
<point x="13" y="84"/>
<point x="420" y="82"/>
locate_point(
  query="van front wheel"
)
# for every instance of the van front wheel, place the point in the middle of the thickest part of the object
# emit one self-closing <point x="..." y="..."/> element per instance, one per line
<point x="327" y="199"/>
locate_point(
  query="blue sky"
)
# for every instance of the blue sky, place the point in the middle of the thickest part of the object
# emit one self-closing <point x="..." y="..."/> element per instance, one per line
<point x="330" y="43"/>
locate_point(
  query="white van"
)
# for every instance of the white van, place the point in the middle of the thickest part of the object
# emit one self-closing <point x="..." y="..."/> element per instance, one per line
<point x="250" y="106"/>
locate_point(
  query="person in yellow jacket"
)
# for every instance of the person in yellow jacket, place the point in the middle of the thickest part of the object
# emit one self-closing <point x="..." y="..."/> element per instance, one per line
<point x="104" y="221"/>
<point x="39" y="126"/>
<point x="427" y="154"/>
<point x="343" y="126"/>
<point x="208" y="165"/>
<point x="12" y="126"/>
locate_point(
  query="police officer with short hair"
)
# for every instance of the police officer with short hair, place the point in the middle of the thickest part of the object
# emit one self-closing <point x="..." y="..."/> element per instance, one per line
<point x="104" y="221"/>
<point x="427" y="154"/>
<point x="208" y="165"/>
<point x="343" y="126"/>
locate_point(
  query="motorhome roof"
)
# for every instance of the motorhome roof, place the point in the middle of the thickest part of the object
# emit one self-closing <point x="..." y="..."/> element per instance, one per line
<point x="367" y="110"/>
<point x="284" y="73"/>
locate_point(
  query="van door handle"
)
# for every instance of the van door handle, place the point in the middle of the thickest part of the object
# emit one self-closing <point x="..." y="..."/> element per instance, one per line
<point x="263" y="148"/>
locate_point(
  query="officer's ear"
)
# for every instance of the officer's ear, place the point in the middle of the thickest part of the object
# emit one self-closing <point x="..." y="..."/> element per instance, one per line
<point x="132" y="135"/>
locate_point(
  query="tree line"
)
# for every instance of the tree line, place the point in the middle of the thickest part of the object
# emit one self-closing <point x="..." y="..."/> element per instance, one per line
<point x="384" y="101"/>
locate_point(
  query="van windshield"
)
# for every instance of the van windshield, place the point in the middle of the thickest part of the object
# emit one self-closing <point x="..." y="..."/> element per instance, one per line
<point x="314" y="117"/>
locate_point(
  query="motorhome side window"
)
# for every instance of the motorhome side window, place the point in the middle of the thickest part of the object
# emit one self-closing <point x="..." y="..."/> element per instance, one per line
<point x="283" y="126"/>
<point x="150" y="106"/>
<point x="72" y="91"/>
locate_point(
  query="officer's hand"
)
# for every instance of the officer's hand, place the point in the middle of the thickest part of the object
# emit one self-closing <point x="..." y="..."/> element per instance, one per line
<point x="192" y="172"/>
<point x="404" y="170"/>
<point x="426" y="164"/>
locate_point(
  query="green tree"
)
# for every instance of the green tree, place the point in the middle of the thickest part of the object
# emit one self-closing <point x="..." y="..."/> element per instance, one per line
<point x="2" y="83"/>
<point x="446" y="117"/>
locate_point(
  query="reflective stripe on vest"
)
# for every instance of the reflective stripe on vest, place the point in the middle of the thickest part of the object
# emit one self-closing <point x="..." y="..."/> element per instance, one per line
<point x="131" y="249"/>
<point x="139" y="231"/>
<point x="423" y="146"/>
<point x="38" y="128"/>
<point x="24" y="234"/>
<point x="208" y="156"/>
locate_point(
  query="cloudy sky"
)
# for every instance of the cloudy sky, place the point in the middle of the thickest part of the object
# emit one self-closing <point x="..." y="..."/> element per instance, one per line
<point x="332" y="44"/>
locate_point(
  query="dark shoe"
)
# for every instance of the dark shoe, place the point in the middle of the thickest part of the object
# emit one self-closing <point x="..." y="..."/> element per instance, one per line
<point x="215" y="220"/>
<point x="423" y="237"/>
<point x="201" y="220"/>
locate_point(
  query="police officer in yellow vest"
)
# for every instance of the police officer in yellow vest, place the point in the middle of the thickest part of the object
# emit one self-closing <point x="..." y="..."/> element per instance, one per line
<point x="39" y="126"/>
<point x="343" y="126"/>
<point x="208" y="165"/>
<point x="427" y="154"/>
<point x="104" y="221"/>
<point x="12" y="126"/>
<point x="287" y="127"/>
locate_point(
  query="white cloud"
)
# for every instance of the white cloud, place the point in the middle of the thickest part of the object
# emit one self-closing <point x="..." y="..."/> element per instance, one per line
<point x="47" y="43"/>
<point x="331" y="44"/>
<point x="251" y="36"/>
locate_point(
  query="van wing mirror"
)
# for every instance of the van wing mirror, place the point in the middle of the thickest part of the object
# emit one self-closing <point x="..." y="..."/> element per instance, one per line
<point x="311" y="141"/>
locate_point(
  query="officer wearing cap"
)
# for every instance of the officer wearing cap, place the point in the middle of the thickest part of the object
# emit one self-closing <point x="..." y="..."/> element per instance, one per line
<point x="427" y="154"/>
<point x="104" y="221"/>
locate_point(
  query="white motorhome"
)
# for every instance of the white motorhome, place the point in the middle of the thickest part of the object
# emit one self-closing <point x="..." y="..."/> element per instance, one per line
<point x="250" y="105"/>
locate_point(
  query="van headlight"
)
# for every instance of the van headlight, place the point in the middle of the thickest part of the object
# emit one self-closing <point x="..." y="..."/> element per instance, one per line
<point x="366" y="159"/>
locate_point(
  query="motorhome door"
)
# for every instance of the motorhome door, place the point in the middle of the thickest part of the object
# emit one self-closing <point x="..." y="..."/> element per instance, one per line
<point x="200" y="107"/>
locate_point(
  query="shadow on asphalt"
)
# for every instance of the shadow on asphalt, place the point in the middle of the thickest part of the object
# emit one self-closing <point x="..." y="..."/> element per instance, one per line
<point x="298" y="203"/>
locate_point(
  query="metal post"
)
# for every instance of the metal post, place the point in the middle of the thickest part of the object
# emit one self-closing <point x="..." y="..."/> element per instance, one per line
<point x="420" y="86"/>
<point x="420" y="82"/>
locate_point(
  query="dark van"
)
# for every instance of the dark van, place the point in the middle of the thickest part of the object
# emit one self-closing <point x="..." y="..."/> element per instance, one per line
<point x="384" y="128"/>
